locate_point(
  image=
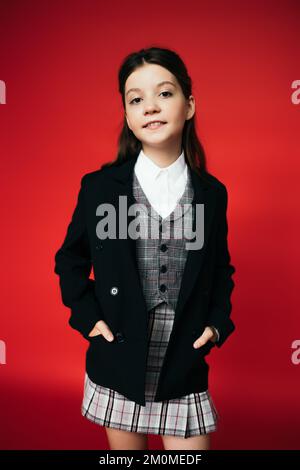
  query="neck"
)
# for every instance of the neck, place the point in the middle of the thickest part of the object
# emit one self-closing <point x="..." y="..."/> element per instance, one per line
<point x="162" y="158"/>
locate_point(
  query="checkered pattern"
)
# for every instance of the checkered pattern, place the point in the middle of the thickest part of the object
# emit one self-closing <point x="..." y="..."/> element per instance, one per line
<point x="176" y="231"/>
<point x="186" y="416"/>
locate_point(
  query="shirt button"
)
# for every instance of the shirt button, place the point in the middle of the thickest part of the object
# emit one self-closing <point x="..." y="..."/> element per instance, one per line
<point x="163" y="247"/>
<point x="163" y="268"/>
<point x="114" y="290"/>
<point x="163" y="287"/>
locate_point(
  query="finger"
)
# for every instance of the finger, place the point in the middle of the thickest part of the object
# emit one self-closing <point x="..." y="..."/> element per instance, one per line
<point x="93" y="332"/>
<point x="210" y="332"/>
<point x="97" y="329"/>
<point x="106" y="332"/>
<point x="201" y="340"/>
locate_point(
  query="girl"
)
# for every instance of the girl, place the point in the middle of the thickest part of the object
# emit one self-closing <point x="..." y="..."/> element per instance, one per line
<point x="149" y="333"/>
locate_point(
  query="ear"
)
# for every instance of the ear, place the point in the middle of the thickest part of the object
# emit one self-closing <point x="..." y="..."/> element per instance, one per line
<point x="191" y="106"/>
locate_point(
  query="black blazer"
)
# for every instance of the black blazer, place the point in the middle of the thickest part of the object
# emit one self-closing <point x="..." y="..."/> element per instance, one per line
<point x="204" y="296"/>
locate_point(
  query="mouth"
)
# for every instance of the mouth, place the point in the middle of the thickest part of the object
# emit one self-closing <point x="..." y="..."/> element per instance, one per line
<point x="154" y="125"/>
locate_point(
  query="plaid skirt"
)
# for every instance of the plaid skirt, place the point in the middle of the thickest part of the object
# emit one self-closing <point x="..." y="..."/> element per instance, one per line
<point x="186" y="416"/>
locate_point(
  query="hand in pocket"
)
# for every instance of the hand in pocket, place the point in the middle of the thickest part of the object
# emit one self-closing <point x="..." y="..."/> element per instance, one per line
<point x="101" y="328"/>
<point x="207" y="335"/>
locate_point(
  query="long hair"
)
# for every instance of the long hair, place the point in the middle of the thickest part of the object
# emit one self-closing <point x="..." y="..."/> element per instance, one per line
<point x="128" y="145"/>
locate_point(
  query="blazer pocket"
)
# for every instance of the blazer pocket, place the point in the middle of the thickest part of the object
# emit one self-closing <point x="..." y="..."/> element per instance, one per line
<point x="206" y="348"/>
<point x="92" y="338"/>
<point x="99" y="336"/>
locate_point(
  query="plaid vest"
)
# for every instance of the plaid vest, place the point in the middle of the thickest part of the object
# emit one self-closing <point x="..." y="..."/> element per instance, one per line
<point x="161" y="252"/>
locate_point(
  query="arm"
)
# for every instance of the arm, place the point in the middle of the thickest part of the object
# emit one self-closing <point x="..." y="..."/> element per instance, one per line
<point x="73" y="265"/>
<point x="223" y="284"/>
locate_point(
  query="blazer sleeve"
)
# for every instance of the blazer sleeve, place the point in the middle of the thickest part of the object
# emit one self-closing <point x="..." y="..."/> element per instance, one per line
<point x="223" y="284"/>
<point x="73" y="265"/>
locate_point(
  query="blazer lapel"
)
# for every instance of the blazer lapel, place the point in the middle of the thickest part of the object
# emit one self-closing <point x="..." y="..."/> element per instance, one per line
<point x="204" y="193"/>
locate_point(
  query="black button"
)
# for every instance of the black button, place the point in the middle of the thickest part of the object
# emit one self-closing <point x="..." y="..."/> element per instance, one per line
<point x="163" y="268"/>
<point x="163" y="287"/>
<point x="163" y="247"/>
<point x="119" y="337"/>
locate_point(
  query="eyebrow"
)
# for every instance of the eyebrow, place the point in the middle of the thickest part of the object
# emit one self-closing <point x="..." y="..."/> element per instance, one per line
<point x="158" y="85"/>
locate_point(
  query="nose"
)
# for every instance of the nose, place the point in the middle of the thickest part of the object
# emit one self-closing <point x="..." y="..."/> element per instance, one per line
<point x="151" y="107"/>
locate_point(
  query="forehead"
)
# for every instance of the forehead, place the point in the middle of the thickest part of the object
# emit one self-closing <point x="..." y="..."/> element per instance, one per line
<point x="149" y="76"/>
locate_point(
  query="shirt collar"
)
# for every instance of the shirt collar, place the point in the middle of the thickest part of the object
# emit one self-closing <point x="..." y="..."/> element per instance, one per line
<point x="146" y="168"/>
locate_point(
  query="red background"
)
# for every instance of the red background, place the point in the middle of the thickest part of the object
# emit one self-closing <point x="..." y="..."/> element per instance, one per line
<point x="62" y="117"/>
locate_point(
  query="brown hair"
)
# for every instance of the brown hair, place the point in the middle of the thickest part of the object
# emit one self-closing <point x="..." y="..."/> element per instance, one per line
<point x="128" y="144"/>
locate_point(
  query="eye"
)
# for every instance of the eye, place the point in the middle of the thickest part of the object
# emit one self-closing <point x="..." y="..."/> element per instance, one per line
<point x="132" y="101"/>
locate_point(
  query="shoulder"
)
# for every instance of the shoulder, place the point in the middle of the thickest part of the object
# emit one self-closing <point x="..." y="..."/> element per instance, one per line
<point x="220" y="189"/>
<point x="215" y="184"/>
<point x="100" y="184"/>
<point x="106" y="171"/>
<point x="94" y="178"/>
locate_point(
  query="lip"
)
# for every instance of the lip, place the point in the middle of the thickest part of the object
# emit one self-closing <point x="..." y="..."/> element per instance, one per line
<point x="145" y="126"/>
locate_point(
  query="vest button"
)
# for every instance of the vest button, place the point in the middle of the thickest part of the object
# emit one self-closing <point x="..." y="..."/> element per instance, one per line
<point x="163" y="287"/>
<point x="163" y="268"/>
<point x="163" y="247"/>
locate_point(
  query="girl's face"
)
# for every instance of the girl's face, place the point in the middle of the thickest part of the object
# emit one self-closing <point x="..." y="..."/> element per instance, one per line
<point x="147" y="99"/>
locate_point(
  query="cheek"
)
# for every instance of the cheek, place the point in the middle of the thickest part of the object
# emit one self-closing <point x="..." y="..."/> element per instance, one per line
<point x="177" y="114"/>
<point x="134" y="122"/>
<point x="136" y="129"/>
<point x="178" y="123"/>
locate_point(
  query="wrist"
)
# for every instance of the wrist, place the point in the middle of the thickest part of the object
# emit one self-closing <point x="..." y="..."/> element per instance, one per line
<point x="216" y="335"/>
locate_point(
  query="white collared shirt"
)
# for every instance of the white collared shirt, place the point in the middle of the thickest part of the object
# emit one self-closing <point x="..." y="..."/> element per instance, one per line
<point x="162" y="186"/>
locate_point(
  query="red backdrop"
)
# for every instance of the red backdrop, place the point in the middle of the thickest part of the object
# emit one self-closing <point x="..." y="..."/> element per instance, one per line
<point x="61" y="118"/>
